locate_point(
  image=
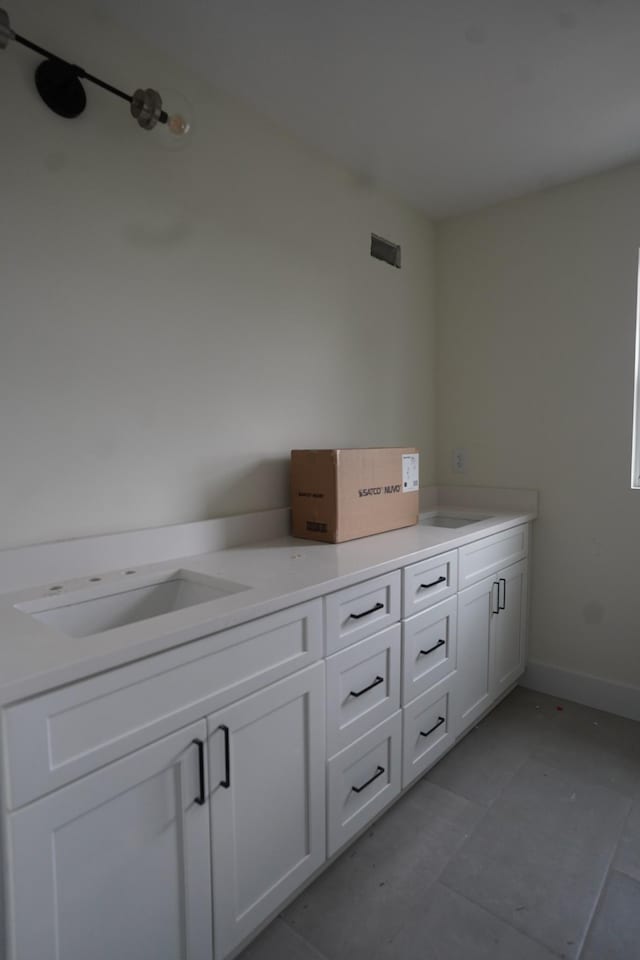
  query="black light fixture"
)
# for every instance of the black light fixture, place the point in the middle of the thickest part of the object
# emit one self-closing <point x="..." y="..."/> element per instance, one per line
<point x="58" y="83"/>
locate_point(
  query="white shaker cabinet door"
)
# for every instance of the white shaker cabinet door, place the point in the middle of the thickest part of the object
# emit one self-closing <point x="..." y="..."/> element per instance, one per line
<point x="491" y="641"/>
<point x="477" y="609"/>
<point x="267" y="801"/>
<point x="509" y="628"/>
<point x="117" y="864"/>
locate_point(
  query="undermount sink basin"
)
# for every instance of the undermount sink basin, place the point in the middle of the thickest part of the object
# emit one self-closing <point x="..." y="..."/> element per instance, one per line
<point x="78" y="617"/>
<point x="443" y="520"/>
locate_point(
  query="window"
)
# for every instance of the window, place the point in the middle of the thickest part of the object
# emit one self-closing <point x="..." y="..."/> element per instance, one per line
<point x="635" y="455"/>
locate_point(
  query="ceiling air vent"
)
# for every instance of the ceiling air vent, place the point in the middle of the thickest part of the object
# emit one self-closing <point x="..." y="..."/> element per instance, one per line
<point x="383" y="249"/>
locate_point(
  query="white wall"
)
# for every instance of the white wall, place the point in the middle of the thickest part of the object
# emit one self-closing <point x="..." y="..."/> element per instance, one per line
<point x="172" y="323"/>
<point x="536" y="303"/>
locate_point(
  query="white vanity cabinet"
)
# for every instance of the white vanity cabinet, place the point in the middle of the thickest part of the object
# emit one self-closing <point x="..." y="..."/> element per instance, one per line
<point x="267" y="801"/>
<point x="491" y="641"/>
<point x="169" y="807"/>
<point x="117" y="863"/>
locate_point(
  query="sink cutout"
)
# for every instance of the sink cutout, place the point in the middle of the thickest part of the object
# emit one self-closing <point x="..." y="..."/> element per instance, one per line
<point x="442" y="520"/>
<point x="83" y="618"/>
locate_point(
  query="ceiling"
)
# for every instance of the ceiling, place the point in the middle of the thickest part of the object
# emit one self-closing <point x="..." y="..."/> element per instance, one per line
<point x="452" y="104"/>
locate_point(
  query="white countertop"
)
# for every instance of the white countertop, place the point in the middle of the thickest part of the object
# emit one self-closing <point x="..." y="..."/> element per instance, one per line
<point x="278" y="573"/>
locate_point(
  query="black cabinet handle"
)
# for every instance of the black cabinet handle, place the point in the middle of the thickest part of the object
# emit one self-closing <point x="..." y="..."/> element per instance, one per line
<point x="495" y="609"/>
<point x="377" y="774"/>
<point x="441" y="720"/>
<point x="375" y="683"/>
<point x="426" y="586"/>
<point x="504" y="594"/>
<point x="440" y="643"/>
<point x="201" y="798"/>
<point x="226" y="782"/>
<point x="358" y="616"/>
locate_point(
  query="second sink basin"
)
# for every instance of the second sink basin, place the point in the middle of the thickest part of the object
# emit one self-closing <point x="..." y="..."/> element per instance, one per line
<point x="78" y="617"/>
<point x="443" y="520"/>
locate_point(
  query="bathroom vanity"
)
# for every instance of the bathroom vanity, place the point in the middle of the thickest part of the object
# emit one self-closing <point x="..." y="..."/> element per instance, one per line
<point x="186" y="743"/>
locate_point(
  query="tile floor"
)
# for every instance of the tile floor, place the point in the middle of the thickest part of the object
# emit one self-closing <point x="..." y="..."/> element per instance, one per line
<point x="523" y="843"/>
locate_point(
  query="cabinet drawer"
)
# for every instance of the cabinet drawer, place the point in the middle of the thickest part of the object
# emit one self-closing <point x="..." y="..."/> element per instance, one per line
<point x="357" y="612"/>
<point x="363" y="687"/>
<point x="429" y="648"/>
<point x="429" y="582"/>
<point x="362" y="780"/>
<point x="483" y="557"/>
<point x="53" y="739"/>
<point x="427" y="730"/>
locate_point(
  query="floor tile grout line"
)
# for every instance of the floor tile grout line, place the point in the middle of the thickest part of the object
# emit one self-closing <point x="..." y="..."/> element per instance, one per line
<point x="588" y="781"/>
<point x="307" y="943"/>
<point x="487" y="806"/>
<point x="634" y="801"/>
<point x="530" y="751"/>
<point x="527" y="936"/>
<point x="606" y="871"/>
<point x="606" y="875"/>
<point x="467" y="835"/>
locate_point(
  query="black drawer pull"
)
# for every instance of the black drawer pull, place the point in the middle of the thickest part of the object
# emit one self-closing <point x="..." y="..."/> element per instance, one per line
<point x="440" y="643"/>
<point x="377" y="774"/>
<point x="441" y="720"/>
<point x="226" y="782"/>
<point x="375" y="683"/>
<point x="200" y="799"/>
<point x="495" y="609"/>
<point x="427" y="586"/>
<point x="501" y="606"/>
<point x="358" y="616"/>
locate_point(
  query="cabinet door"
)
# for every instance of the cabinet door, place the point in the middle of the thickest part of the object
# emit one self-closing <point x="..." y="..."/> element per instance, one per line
<point x="476" y="606"/>
<point x="509" y="628"/>
<point x="267" y="801"/>
<point x="116" y="864"/>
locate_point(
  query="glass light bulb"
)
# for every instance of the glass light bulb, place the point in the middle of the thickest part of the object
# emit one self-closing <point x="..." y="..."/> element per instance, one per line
<point x="178" y="125"/>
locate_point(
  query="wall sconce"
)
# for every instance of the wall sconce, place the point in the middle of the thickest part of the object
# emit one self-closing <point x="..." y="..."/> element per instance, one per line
<point x="58" y="83"/>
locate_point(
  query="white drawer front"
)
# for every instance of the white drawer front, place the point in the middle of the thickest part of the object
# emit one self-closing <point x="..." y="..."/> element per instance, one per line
<point x="357" y="612"/>
<point x="484" y="557"/>
<point x="363" y="687"/>
<point x="362" y="780"/>
<point x="55" y="738"/>
<point x="429" y="648"/>
<point x="427" y="730"/>
<point x="429" y="582"/>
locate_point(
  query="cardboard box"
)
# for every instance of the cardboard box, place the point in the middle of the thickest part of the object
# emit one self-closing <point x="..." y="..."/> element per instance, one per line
<point x="339" y="495"/>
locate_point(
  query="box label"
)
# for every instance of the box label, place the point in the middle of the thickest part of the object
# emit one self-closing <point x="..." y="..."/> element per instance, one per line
<point x="377" y="491"/>
<point x="410" y="472"/>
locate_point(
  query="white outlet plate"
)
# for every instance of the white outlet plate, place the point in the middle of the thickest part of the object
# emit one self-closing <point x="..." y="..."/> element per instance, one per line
<point x="459" y="460"/>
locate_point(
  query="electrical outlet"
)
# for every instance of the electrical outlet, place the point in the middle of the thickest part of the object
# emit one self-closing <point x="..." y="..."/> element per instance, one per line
<point x="459" y="460"/>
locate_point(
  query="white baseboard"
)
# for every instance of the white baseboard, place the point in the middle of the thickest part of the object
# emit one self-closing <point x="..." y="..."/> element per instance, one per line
<point x="618" y="698"/>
